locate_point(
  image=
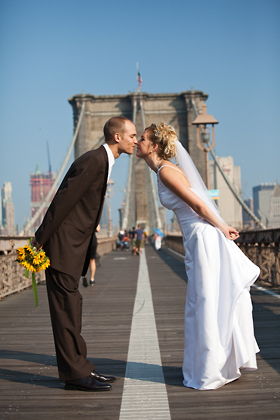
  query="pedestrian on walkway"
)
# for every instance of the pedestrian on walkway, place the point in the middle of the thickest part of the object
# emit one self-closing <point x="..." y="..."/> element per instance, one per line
<point x="126" y="240"/>
<point x="139" y="240"/>
<point x="132" y="235"/>
<point x="65" y="234"/>
<point x="157" y="240"/>
<point x="146" y="236"/>
<point x="120" y="238"/>
<point x="219" y="333"/>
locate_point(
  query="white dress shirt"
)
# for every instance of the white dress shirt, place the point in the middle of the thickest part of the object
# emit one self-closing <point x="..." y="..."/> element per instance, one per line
<point x="111" y="159"/>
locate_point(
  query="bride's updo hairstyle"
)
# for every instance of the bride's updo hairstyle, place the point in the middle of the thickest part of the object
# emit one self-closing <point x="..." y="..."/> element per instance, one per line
<point x="164" y="136"/>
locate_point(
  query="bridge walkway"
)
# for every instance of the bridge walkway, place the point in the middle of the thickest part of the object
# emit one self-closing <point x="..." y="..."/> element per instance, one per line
<point x="135" y="332"/>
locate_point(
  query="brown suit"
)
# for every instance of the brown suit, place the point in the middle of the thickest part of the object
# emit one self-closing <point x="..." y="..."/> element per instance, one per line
<point x="66" y="234"/>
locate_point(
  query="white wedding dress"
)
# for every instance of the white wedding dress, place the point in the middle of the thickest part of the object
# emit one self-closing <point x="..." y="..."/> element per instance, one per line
<point x="219" y="332"/>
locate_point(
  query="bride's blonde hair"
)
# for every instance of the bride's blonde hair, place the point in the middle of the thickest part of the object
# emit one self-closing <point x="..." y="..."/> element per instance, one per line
<point x="164" y="136"/>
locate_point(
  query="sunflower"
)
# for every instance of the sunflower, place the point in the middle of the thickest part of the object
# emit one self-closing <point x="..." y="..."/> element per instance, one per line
<point x="34" y="261"/>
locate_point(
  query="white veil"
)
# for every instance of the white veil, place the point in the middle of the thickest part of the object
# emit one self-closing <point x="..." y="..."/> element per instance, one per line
<point x="194" y="178"/>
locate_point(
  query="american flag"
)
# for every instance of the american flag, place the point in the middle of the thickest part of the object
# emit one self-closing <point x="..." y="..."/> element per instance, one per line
<point x="139" y="80"/>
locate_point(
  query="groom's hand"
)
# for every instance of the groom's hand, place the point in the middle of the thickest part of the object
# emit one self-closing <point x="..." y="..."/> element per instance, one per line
<point x="36" y="244"/>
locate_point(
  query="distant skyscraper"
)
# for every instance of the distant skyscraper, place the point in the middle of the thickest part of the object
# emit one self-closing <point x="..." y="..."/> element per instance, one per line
<point x="274" y="211"/>
<point x="40" y="187"/>
<point x="7" y="222"/>
<point x="230" y="208"/>
<point x="261" y="196"/>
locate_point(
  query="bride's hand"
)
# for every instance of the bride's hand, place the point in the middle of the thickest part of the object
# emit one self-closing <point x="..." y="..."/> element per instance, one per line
<point x="230" y="232"/>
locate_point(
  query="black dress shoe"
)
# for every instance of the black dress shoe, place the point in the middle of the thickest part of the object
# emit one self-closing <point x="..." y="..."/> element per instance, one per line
<point x="85" y="283"/>
<point x="89" y="383"/>
<point x="103" y="378"/>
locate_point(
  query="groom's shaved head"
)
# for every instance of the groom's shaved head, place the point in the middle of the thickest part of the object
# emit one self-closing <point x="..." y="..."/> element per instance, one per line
<point x="114" y="125"/>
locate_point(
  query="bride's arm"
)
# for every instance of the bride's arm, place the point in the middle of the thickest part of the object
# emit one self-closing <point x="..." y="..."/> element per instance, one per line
<point x="178" y="184"/>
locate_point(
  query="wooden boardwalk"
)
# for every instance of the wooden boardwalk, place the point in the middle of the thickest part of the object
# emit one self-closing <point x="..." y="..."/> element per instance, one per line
<point x="29" y="388"/>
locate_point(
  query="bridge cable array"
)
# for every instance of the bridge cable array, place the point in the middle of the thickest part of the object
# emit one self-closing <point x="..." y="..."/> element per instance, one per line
<point x="130" y="174"/>
<point x="46" y="202"/>
<point x="236" y="195"/>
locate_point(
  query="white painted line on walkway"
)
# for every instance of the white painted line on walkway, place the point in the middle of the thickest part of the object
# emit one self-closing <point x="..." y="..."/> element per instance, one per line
<point x="144" y="394"/>
<point x="176" y="253"/>
<point x="269" y="292"/>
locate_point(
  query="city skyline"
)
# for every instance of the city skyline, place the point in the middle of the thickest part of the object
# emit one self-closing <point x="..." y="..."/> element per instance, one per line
<point x="251" y="203"/>
<point x="229" y="50"/>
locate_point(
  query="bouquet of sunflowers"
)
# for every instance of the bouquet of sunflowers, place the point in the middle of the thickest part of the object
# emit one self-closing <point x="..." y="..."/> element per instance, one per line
<point x="33" y="260"/>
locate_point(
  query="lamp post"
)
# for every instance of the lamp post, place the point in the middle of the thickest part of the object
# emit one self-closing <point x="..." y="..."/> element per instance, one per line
<point x="109" y="193"/>
<point x="203" y="140"/>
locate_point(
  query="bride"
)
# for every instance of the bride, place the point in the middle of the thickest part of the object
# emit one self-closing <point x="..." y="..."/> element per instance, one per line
<point x="219" y="332"/>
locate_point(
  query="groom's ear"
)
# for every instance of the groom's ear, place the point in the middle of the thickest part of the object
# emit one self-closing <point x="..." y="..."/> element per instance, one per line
<point x="117" y="137"/>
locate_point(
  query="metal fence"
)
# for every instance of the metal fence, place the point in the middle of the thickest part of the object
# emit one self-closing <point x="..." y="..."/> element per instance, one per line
<point x="12" y="275"/>
<point x="260" y="246"/>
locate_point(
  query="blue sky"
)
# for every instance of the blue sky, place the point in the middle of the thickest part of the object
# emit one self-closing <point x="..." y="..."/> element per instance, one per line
<point x="52" y="50"/>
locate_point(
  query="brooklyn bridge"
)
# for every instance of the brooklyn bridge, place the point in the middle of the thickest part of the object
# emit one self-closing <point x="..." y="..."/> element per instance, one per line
<point x="133" y="318"/>
<point x="90" y="113"/>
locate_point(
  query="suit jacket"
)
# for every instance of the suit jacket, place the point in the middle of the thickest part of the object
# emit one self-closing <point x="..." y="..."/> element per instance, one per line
<point x="67" y="229"/>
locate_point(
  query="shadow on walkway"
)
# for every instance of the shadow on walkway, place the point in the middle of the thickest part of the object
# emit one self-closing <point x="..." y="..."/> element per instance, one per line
<point x="144" y="371"/>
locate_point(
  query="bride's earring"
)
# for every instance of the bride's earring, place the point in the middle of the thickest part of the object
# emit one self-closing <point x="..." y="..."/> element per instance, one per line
<point x="150" y="152"/>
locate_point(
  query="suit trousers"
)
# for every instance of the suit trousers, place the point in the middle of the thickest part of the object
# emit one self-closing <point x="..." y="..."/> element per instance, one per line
<point x="65" y="302"/>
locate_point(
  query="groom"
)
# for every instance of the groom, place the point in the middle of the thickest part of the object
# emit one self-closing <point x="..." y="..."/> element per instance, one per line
<point x="66" y="235"/>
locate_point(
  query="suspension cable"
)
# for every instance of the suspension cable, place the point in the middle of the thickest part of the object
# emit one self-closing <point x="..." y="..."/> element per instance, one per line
<point x="236" y="195"/>
<point x="45" y="203"/>
<point x="158" y="219"/>
<point x="128" y="191"/>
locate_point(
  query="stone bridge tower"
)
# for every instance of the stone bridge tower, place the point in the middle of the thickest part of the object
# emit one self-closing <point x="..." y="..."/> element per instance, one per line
<point x="177" y="109"/>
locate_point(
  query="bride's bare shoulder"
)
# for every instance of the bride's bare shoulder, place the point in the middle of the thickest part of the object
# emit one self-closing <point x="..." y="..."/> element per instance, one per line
<point x="168" y="172"/>
<point x="167" y="165"/>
